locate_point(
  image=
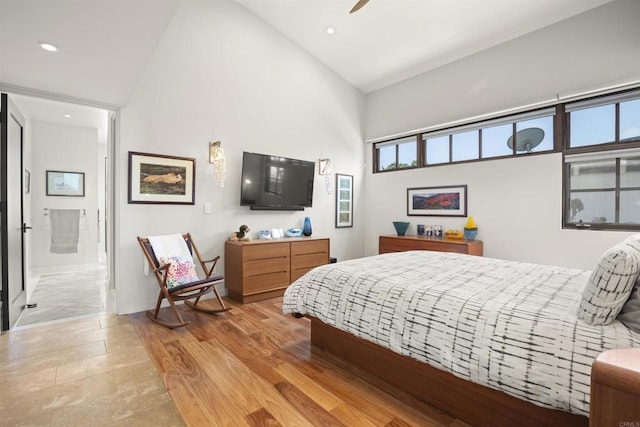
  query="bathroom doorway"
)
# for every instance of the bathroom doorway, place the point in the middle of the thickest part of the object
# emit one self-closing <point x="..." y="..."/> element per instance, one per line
<point x="68" y="157"/>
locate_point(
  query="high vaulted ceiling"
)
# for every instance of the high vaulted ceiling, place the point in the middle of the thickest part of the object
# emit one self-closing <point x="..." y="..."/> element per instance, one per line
<point x="106" y="44"/>
<point x="390" y="40"/>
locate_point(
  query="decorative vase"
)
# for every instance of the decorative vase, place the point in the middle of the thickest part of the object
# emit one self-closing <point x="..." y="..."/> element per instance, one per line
<point x="401" y="227"/>
<point x="470" y="233"/>
<point x="306" y="227"/>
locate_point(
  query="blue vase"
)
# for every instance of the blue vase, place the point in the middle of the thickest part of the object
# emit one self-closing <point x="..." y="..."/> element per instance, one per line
<point x="470" y="233"/>
<point x="306" y="228"/>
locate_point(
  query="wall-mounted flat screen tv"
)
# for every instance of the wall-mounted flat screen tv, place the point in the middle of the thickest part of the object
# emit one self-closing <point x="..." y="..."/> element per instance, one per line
<point x="276" y="183"/>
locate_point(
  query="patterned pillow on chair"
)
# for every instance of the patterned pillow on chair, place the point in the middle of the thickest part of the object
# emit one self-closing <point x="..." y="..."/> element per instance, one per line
<point x="181" y="271"/>
<point x="610" y="283"/>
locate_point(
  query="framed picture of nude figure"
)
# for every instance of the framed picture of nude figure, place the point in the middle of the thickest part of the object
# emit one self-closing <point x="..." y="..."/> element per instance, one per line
<point x="161" y="179"/>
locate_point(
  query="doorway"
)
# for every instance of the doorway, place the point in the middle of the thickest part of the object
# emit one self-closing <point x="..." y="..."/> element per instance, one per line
<point x="64" y="136"/>
<point x="12" y="223"/>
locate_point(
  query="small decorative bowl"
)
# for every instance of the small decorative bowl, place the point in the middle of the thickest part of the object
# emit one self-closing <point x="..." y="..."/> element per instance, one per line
<point x="401" y="227"/>
<point x="470" y="233"/>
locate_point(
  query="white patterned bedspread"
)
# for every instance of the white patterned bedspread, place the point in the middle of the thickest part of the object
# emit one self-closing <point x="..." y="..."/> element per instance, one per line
<point x="507" y="325"/>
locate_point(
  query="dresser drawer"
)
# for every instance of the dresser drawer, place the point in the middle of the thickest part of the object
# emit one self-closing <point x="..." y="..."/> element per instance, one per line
<point x="265" y="282"/>
<point x="387" y="245"/>
<point x="441" y="247"/>
<point x="265" y="251"/>
<point x="261" y="267"/>
<point x="298" y="273"/>
<point x="310" y="247"/>
<point x="309" y="260"/>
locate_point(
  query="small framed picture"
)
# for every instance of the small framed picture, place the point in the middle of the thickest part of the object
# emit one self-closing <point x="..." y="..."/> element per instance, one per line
<point x="60" y="183"/>
<point x="155" y="178"/>
<point x="437" y="201"/>
<point x="344" y="200"/>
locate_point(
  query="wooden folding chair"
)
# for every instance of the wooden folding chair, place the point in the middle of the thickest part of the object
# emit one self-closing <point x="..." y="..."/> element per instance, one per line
<point x="186" y="291"/>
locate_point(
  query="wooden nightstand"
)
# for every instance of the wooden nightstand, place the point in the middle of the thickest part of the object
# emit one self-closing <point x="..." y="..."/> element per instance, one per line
<point x="615" y="389"/>
<point x="393" y="243"/>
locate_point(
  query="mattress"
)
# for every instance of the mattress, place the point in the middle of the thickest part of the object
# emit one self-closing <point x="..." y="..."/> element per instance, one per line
<point x="507" y="325"/>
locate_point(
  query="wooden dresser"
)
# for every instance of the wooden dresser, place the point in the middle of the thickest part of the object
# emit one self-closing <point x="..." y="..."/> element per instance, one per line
<point x="262" y="269"/>
<point x="393" y="243"/>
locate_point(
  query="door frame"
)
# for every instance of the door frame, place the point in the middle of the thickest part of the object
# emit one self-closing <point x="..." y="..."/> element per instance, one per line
<point x="111" y="187"/>
<point x="9" y="114"/>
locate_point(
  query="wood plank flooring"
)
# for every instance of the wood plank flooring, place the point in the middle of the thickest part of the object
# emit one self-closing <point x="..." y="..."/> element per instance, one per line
<point x="254" y="366"/>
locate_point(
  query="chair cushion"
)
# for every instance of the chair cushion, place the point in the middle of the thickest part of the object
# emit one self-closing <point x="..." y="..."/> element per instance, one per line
<point x="182" y="271"/>
<point x="197" y="282"/>
<point x="610" y="283"/>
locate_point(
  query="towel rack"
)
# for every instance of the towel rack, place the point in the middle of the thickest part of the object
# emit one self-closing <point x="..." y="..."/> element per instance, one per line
<point x="46" y="211"/>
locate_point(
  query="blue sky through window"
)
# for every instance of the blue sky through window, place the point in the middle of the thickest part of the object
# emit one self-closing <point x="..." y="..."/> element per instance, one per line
<point x="494" y="141"/>
<point x="465" y="146"/>
<point x="438" y="150"/>
<point x="630" y="119"/>
<point x="594" y="125"/>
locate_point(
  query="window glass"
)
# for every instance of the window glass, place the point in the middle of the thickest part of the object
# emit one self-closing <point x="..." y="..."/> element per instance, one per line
<point x="465" y="146"/>
<point x="630" y="207"/>
<point x="592" y="207"/>
<point x="534" y="135"/>
<point x="386" y="157"/>
<point x="629" y="173"/>
<point x="494" y="141"/>
<point x="630" y="119"/>
<point x="437" y="150"/>
<point x="592" y="175"/>
<point x="407" y="154"/>
<point x="591" y="126"/>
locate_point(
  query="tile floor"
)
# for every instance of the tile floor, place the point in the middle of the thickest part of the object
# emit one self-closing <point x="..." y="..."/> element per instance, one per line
<point x="90" y="371"/>
<point x="65" y="295"/>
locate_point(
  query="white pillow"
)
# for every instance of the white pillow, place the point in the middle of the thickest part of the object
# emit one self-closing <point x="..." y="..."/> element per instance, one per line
<point x="610" y="283"/>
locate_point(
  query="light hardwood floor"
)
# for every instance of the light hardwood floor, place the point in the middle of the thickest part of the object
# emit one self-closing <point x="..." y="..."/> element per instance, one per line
<point x="251" y="366"/>
<point x="254" y="366"/>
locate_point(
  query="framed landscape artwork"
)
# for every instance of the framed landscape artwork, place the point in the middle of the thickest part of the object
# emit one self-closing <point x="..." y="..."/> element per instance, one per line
<point x="60" y="183"/>
<point x="437" y="201"/>
<point x="344" y="200"/>
<point x="155" y="178"/>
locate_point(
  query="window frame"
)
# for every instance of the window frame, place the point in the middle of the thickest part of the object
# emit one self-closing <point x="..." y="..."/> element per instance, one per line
<point x="617" y="149"/>
<point x="399" y="141"/>
<point x="421" y="138"/>
<point x="561" y="112"/>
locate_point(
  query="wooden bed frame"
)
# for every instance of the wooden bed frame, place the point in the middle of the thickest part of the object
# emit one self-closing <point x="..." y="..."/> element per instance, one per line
<point x="470" y="402"/>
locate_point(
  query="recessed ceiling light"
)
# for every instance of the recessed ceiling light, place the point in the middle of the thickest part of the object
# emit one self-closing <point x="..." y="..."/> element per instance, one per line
<point x="330" y="30"/>
<point x="67" y="115"/>
<point x="48" y="47"/>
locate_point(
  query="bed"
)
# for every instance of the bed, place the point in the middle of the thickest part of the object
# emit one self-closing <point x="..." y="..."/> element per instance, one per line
<point x="493" y="342"/>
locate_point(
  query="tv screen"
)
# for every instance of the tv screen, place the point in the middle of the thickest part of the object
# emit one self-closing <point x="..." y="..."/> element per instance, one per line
<point x="274" y="182"/>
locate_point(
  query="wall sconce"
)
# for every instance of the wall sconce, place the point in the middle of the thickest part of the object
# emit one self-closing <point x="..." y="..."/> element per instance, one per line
<point x="219" y="162"/>
<point x="324" y="168"/>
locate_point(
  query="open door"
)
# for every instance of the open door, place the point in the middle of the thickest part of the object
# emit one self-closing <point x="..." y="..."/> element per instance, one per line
<point x="12" y="226"/>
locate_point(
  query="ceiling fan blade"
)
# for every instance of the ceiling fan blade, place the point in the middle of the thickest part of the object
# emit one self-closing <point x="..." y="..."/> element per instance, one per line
<point x="358" y="5"/>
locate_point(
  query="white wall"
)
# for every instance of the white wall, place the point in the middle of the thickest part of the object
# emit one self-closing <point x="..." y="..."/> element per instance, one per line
<point x="63" y="148"/>
<point x="220" y="73"/>
<point x="516" y="203"/>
